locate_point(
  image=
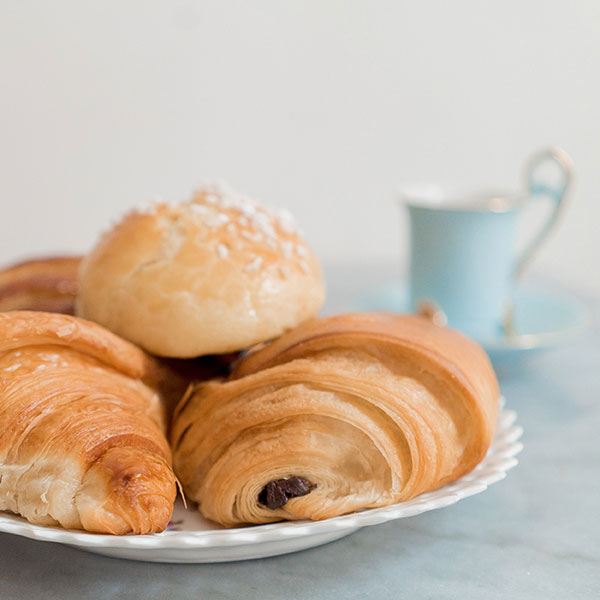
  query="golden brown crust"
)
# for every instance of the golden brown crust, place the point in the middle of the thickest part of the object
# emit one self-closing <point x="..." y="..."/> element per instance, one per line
<point x="26" y="328"/>
<point x="463" y="359"/>
<point x="46" y="284"/>
<point x="82" y="427"/>
<point x="210" y="276"/>
<point x="372" y="408"/>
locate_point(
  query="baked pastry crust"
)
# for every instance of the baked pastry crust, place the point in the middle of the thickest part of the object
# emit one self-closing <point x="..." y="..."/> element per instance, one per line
<point x="47" y="284"/>
<point x="362" y="410"/>
<point x="82" y="423"/>
<point x="213" y="275"/>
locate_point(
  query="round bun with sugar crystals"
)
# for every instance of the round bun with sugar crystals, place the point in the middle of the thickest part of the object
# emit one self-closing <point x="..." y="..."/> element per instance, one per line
<point x="215" y="274"/>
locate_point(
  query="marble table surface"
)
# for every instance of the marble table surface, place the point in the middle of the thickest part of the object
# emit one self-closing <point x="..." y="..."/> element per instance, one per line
<point x="534" y="535"/>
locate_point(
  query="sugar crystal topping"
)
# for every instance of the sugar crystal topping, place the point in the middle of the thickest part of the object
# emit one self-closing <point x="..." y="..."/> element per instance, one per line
<point x="222" y="250"/>
<point x="244" y="220"/>
<point x="254" y="265"/>
<point x="287" y="248"/>
<point x="214" y="205"/>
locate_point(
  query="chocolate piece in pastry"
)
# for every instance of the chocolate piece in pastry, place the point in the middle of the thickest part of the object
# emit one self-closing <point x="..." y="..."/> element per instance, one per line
<point x="213" y="275"/>
<point x="339" y="414"/>
<point x="46" y="284"/>
<point x="82" y="424"/>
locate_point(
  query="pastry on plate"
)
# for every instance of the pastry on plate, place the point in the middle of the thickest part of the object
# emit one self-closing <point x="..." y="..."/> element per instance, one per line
<point x="212" y="275"/>
<point x="46" y="284"/>
<point x="82" y="427"/>
<point x="339" y="414"/>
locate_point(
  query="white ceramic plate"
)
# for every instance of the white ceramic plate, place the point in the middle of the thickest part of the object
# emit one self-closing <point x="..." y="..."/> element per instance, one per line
<point x="192" y="539"/>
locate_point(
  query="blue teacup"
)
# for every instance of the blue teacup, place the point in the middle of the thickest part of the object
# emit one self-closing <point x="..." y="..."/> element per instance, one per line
<point x="463" y="259"/>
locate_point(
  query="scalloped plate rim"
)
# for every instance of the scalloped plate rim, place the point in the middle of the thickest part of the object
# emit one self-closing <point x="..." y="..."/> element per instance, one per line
<point x="499" y="459"/>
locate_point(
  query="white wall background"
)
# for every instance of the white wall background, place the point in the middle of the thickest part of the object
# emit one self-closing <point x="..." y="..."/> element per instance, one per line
<point x="321" y="106"/>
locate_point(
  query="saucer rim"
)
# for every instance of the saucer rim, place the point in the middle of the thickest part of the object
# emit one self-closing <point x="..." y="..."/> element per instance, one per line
<point x="525" y="341"/>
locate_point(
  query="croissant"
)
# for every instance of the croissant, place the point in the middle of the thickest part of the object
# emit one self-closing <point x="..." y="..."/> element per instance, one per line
<point x="46" y="284"/>
<point x="339" y="414"/>
<point x="82" y="441"/>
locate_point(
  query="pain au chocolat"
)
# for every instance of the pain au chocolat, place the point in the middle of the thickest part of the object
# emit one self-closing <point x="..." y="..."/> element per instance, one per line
<point x="213" y="275"/>
<point x="339" y="414"/>
<point x="82" y="427"/>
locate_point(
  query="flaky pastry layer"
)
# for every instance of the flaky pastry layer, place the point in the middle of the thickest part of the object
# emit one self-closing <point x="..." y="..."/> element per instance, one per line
<point x="354" y="411"/>
<point x="82" y="427"/>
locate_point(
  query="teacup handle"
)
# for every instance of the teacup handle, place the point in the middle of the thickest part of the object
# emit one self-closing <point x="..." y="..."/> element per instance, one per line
<point x="555" y="191"/>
